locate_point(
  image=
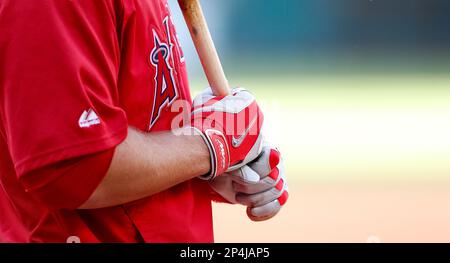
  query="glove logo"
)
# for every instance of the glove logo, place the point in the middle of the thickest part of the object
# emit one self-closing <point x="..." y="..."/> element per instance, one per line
<point x="238" y="141"/>
<point x="222" y="153"/>
<point x="165" y="91"/>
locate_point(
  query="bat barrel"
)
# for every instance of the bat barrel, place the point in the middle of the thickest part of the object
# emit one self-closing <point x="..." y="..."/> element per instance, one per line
<point x="204" y="45"/>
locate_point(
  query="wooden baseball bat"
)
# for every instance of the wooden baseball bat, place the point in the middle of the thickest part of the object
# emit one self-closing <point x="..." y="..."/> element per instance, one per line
<point x="204" y="44"/>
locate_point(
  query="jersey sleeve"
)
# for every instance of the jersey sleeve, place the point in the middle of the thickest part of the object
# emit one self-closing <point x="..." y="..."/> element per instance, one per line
<point x="66" y="184"/>
<point x="58" y="80"/>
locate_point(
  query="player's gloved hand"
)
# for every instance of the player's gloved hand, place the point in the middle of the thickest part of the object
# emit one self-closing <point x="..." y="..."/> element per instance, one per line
<point x="260" y="185"/>
<point x="230" y="127"/>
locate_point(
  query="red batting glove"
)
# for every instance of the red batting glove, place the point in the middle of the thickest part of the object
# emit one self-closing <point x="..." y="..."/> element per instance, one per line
<point x="230" y="127"/>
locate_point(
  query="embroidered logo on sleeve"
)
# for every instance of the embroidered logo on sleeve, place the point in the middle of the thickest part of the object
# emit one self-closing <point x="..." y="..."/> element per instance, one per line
<point x="88" y="118"/>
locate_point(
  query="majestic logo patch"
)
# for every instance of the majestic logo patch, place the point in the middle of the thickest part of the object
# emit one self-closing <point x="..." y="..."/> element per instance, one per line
<point x="88" y="118"/>
<point x="165" y="85"/>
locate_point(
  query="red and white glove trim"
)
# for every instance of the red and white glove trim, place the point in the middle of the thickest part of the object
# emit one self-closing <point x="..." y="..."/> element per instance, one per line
<point x="219" y="152"/>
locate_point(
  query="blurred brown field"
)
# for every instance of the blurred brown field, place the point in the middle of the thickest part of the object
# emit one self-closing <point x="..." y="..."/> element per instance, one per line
<point x="346" y="212"/>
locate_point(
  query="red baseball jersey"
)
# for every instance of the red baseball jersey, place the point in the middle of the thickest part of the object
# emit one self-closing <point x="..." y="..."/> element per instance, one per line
<point x="73" y="76"/>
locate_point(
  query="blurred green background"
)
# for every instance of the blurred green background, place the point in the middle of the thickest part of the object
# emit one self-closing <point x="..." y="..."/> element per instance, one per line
<point x="357" y="95"/>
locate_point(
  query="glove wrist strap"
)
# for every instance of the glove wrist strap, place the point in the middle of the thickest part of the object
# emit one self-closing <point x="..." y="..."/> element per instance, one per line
<point x="219" y="152"/>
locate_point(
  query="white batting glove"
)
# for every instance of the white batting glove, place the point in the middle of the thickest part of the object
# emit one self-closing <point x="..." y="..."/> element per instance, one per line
<point x="260" y="185"/>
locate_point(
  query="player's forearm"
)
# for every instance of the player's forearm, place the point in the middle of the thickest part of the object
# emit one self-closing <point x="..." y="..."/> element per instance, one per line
<point x="145" y="164"/>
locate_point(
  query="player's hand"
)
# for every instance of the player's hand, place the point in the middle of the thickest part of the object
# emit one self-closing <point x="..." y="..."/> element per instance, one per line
<point x="260" y="185"/>
<point x="231" y="128"/>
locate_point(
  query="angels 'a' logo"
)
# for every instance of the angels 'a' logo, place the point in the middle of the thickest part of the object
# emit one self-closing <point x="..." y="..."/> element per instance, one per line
<point x="165" y="86"/>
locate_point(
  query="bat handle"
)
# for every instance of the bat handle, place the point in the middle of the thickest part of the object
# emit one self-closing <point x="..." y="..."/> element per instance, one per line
<point x="204" y="45"/>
